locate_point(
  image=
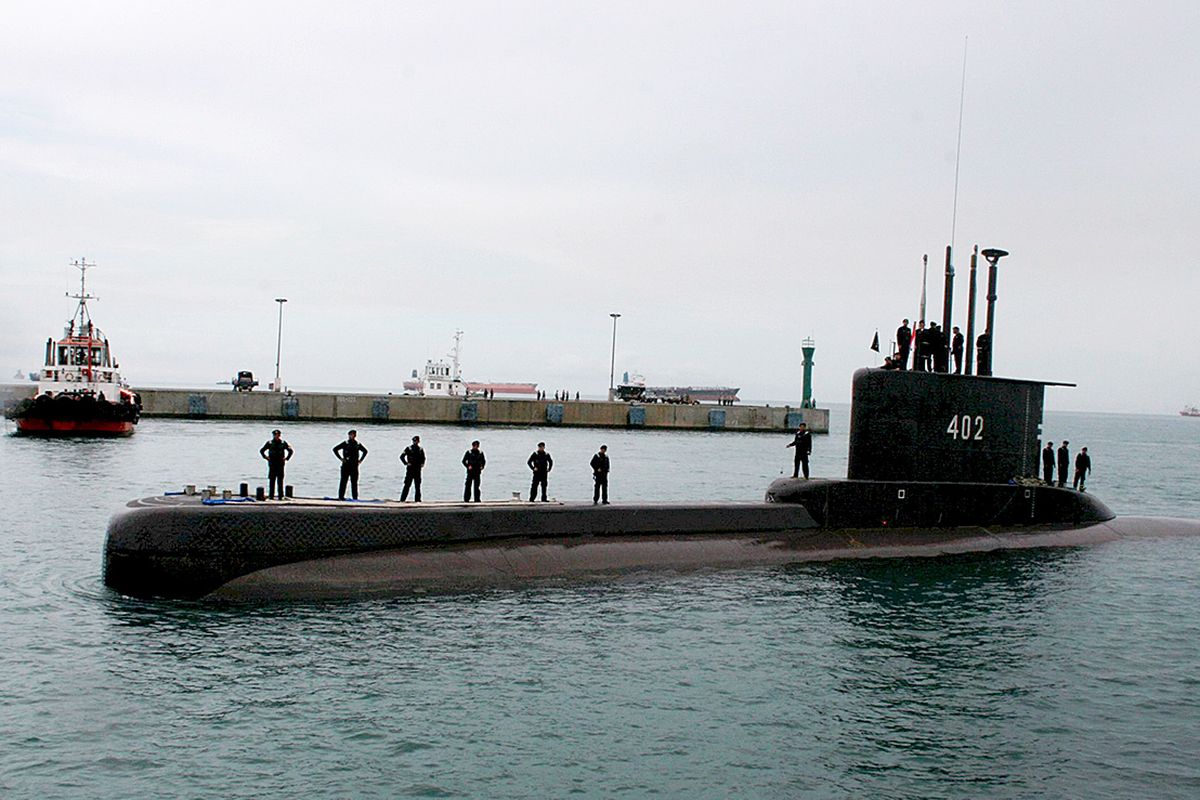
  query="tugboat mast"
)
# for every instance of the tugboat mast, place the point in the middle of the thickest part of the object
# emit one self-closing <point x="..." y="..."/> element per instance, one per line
<point x="81" y="313"/>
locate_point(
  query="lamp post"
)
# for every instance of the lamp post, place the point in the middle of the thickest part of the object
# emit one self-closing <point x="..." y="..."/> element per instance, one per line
<point x="279" y="344"/>
<point x="612" y="366"/>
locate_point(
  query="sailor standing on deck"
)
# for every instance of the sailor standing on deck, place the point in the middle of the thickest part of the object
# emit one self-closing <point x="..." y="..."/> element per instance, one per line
<point x="351" y="454"/>
<point x="903" y="343"/>
<point x="803" y="445"/>
<point x="276" y="451"/>
<point x="1048" y="462"/>
<point x="1064" y="463"/>
<point x="921" y="348"/>
<point x="1083" y="465"/>
<point x="956" y="348"/>
<point x="600" y="474"/>
<point x="541" y="463"/>
<point x="413" y="459"/>
<point x="474" y="461"/>
<point x="939" y="348"/>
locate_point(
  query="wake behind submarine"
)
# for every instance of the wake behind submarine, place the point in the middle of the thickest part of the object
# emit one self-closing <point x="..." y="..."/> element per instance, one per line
<point x="938" y="463"/>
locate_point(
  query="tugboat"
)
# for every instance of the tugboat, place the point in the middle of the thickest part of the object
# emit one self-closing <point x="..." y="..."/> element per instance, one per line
<point x="79" y="390"/>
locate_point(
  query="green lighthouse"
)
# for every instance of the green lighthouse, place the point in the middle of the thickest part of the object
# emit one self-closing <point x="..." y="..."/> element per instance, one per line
<point x="809" y="347"/>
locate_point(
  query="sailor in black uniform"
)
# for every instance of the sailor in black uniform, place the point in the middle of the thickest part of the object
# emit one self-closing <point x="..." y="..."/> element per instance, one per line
<point x="413" y="459"/>
<point x="903" y="343"/>
<point x="803" y="445"/>
<point x="933" y="336"/>
<point x="541" y="463"/>
<point x="1083" y="465"/>
<point x="474" y="461"/>
<point x="1064" y="463"/>
<point x="351" y="454"/>
<point x="600" y="475"/>
<point x="276" y="451"/>
<point x="921" y="348"/>
<point x="956" y="347"/>
<point x="1048" y="462"/>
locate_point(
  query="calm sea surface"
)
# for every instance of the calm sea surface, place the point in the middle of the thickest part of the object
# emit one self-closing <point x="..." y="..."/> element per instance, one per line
<point x="1057" y="673"/>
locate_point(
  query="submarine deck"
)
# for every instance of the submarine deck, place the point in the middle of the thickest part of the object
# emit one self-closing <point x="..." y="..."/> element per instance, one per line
<point x="186" y="547"/>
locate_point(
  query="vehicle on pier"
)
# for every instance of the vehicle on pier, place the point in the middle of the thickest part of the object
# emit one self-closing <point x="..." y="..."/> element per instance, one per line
<point x="244" y="382"/>
<point x="79" y="390"/>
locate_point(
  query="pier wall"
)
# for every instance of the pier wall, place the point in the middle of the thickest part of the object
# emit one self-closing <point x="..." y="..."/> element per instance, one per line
<point x="300" y="406"/>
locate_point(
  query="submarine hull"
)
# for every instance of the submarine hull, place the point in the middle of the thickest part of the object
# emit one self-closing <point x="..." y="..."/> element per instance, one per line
<point x="185" y="548"/>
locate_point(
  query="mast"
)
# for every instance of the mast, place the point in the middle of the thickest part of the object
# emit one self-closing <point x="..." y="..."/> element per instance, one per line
<point x="924" y="275"/>
<point x="947" y="306"/>
<point x="81" y="312"/>
<point x="970" y="342"/>
<point x="454" y="377"/>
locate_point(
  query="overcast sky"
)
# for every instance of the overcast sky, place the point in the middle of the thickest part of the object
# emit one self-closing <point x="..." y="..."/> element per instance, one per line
<point x="730" y="177"/>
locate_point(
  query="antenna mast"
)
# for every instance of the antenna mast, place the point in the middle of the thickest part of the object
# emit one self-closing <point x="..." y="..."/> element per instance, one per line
<point x="457" y="350"/>
<point x="924" y="274"/>
<point x="81" y="313"/>
<point x="962" y="97"/>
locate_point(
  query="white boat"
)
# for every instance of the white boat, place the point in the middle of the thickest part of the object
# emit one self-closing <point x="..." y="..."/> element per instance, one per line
<point x="440" y="379"/>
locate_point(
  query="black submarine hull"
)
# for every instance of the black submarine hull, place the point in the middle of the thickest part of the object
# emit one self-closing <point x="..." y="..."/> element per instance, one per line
<point x="183" y="548"/>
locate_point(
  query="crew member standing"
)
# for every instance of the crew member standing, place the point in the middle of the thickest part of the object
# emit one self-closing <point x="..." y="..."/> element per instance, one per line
<point x="474" y="461"/>
<point x="1064" y="463"/>
<point x="351" y="454"/>
<point x="903" y="343"/>
<point x="920" y="348"/>
<point x="541" y="463"/>
<point x="600" y="475"/>
<point x="1083" y="465"/>
<point x="1048" y="462"/>
<point x="956" y="347"/>
<point x="413" y="459"/>
<point x="276" y="451"/>
<point x="803" y="445"/>
<point x="939" y="348"/>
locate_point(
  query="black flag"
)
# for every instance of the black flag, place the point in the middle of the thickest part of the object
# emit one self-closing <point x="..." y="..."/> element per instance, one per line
<point x="875" y="342"/>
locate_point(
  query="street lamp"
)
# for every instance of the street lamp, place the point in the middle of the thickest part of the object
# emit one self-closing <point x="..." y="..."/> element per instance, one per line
<point x="612" y="366"/>
<point x="279" y="344"/>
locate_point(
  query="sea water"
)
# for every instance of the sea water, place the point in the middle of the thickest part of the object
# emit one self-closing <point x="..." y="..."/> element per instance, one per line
<point x="1051" y="673"/>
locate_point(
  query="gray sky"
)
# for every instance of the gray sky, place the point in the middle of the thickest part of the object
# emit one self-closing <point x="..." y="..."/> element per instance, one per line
<point x="730" y="177"/>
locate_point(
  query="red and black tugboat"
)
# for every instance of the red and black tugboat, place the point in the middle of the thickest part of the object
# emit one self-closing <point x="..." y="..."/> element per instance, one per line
<point x="80" y="392"/>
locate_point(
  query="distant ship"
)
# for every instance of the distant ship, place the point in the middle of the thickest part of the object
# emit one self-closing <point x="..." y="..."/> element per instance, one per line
<point x="635" y="389"/>
<point x="79" y="391"/>
<point x="1190" y="411"/>
<point x="440" y="379"/>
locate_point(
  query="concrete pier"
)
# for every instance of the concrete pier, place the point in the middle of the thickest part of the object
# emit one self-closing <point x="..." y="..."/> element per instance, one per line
<point x="313" y="406"/>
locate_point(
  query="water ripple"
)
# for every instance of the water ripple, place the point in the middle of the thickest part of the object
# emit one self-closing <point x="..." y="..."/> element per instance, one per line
<point x="1051" y="674"/>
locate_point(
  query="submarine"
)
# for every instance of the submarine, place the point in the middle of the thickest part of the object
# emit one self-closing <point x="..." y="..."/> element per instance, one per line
<point x="938" y="464"/>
